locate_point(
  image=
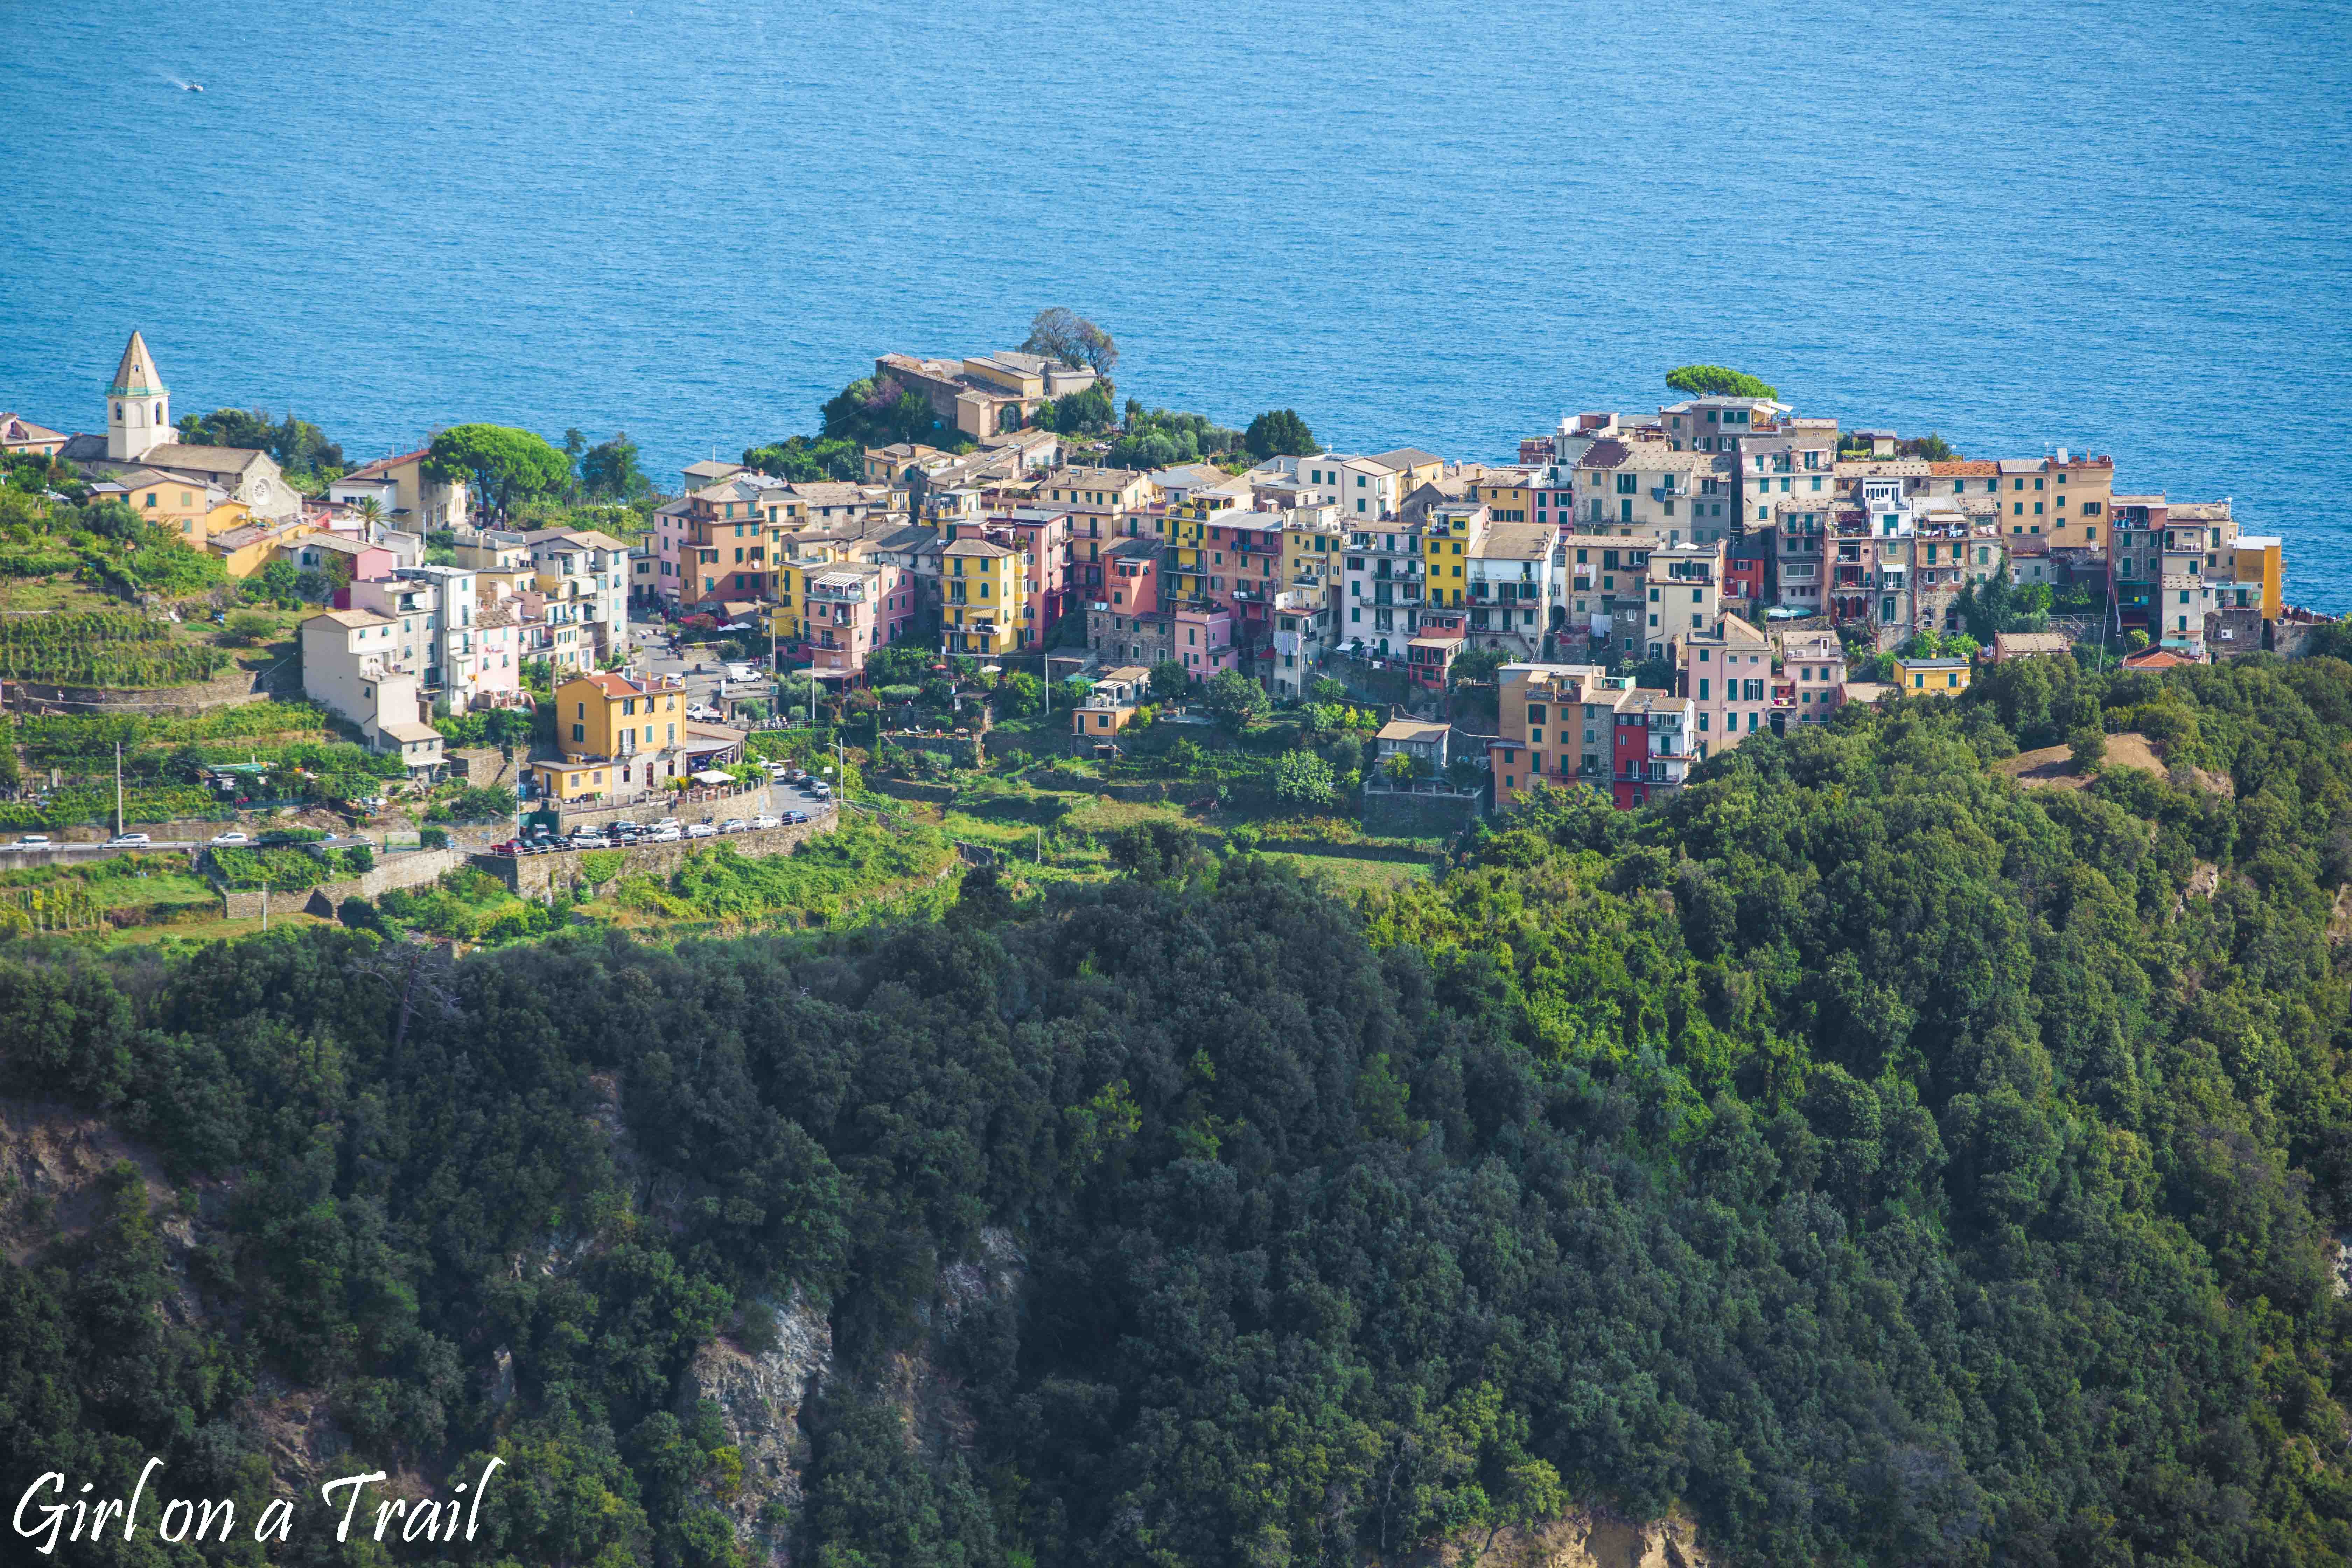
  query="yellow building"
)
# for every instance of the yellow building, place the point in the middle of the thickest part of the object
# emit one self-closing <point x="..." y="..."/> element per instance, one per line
<point x="2261" y="560"/>
<point x="1184" y="530"/>
<point x="569" y="781"/>
<point x="2082" y="489"/>
<point x="1931" y="677"/>
<point x="1507" y="496"/>
<point x="981" y="588"/>
<point x="189" y="508"/>
<point x="608" y="715"/>
<point x="1312" y="541"/>
<point x="246" y="551"/>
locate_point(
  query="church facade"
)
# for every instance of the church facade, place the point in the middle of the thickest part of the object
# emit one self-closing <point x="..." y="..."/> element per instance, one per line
<point x="140" y="436"/>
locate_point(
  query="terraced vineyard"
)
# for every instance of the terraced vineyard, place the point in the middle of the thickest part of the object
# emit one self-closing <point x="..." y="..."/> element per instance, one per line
<point x="103" y="647"/>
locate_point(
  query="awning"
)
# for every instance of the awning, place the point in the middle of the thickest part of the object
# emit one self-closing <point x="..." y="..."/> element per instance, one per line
<point x="713" y="776"/>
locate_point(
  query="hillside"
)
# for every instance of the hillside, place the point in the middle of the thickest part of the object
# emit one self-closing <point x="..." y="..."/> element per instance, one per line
<point x="1862" y="1158"/>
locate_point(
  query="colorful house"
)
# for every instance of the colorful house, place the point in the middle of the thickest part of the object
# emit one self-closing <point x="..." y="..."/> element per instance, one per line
<point x="1110" y="706"/>
<point x="983" y="592"/>
<point x="1932" y="676"/>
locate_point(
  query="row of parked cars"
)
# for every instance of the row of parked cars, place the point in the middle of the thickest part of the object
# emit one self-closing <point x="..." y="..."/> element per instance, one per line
<point x="628" y="835"/>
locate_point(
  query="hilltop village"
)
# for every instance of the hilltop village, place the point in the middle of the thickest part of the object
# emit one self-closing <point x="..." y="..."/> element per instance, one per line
<point x="981" y="564"/>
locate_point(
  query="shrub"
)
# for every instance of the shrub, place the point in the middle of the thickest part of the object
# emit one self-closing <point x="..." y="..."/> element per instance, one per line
<point x="486" y="805"/>
<point x="1303" y="780"/>
<point x="247" y="628"/>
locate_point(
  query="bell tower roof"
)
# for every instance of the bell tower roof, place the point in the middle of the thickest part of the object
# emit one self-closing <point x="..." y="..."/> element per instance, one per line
<point x="136" y="376"/>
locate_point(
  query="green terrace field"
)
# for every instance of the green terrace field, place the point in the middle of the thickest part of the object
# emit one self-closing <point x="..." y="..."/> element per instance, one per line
<point x="120" y="648"/>
<point x="101" y="896"/>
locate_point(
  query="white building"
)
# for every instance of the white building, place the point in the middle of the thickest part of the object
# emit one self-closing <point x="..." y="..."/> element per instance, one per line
<point x="434" y="608"/>
<point x="585" y="576"/>
<point x="405" y="496"/>
<point x="352" y="666"/>
<point x="1510" y="584"/>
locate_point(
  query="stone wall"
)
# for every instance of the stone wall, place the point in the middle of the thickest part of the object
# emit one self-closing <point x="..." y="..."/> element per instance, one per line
<point x="689" y="806"/>
<point x="541" y="876"/>
<point x="410" y="868"/>
<point x="2234" y="632"/>
<point x="962" y="751"/>
<point x="1395" y="814"/>
<point x="231" y="688"/>
<point x="2288" y="637"/>
<point x="479" y="765"/>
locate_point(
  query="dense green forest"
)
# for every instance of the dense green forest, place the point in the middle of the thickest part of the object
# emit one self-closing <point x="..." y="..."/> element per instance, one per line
<point x="1880" y="1161"/>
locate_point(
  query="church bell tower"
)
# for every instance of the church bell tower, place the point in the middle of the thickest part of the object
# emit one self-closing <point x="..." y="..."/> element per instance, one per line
<point x="138" y="405"/>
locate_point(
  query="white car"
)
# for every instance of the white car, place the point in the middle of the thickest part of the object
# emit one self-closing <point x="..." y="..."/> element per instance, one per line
<point x="743" y="672"/>
<point x="767" y="822"/>
<point x="223" y="840"/>
<point x="699" y="710"/>
<point x="669" y="834"/>
<point x="34" y="841"/>
<point x="702" y="831"/>
<point x="129" y="841"/>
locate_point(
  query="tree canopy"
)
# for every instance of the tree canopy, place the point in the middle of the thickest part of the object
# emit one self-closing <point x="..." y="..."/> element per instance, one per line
<point x="610" y="469"/>
<point x="1880" y="1161"/>
<point x="504" y="465"/>
<point x="1717" y="381"/>
<point x="298" y="445"/>
<point x="1279" y="432"/>
<point x="1064" y="334"/>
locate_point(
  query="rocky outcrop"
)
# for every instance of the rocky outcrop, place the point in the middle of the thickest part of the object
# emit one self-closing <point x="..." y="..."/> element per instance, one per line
<point x="51" y="1158"/>
<point x="1581" y="1540"/>
<point x="760" y="1388"/>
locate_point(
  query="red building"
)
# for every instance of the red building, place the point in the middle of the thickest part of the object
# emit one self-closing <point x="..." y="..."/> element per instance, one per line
<point x="1743" y="575"/>
<point x="1431" y="654"/>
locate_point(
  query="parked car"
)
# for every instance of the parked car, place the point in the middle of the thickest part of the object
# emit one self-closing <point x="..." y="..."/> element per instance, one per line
<point x="507" y="847"/>
<point x="743" y="672"/>
<point x="34" y="841"/>
<point x="734" y="825"/>
<point x="702" y="831"/>
<point x="821" y="790"/>
<point x="129" y="841"/>
<point x="223" y="840"/>
<point x="668" y="822"/>
<point x="663" y="836"/>
<point x="796" y="816"/>
<point x="765" y="821"/>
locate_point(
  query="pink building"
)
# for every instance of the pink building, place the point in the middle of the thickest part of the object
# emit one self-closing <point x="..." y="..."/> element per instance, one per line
<point x="669" y="535"/>
<point x="1727" y="676"/>
<point x="851" y="610"/>
<point x="1812" y="670"/>
<point x="1042" y="534"/>
<point x="1201" y="639"/>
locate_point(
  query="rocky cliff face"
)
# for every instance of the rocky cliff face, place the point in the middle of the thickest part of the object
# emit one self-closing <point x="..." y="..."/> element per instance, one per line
<point x="761" y="1387"/>
<point x="1582" y="1539"/>
<point x="760" y="1392"/>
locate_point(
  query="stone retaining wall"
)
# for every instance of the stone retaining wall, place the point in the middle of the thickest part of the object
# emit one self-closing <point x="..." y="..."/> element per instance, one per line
<point x="960" y="750"/>
<point x="541" y="876"/>
<point x="410" y="868"/>
<point x="752" y="800"/>
<point x="231" y="688"/>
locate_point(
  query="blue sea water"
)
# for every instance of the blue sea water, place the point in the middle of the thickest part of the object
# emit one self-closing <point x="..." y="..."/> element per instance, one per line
<point x="2114" y="227"/>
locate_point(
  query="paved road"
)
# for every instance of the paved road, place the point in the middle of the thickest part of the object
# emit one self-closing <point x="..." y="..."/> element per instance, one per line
<point x="651" y="641"/>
